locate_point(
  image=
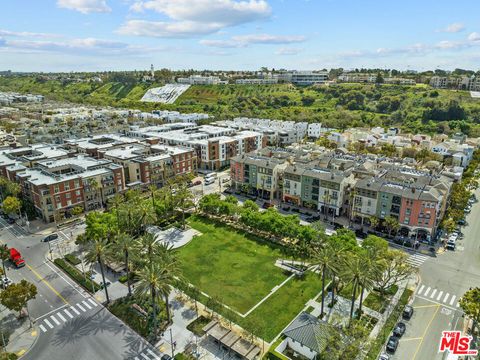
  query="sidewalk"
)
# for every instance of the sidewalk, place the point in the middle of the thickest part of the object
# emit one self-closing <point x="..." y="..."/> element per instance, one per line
<point x="21" y="337"/>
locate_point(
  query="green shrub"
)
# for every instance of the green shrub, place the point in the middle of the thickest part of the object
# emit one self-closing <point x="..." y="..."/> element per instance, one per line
<point x="72" y="259"/>
<point x="76" y="275"/>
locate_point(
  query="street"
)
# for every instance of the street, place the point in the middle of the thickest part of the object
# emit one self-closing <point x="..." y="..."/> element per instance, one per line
<point x="69" y="322"/>
<point x="443" y="280"/>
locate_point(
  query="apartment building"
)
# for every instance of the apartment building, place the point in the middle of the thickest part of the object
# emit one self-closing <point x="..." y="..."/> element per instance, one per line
<point x="264" y="81"/>
<point x="304" y="78"/>
<point x="201" y="80"/>
<point x="144" y="165"/>
<point x="357" y="78"/>
<point x="55" y="187"/>
<point x="314" y="187"/>
<point x="257" y="175"/>
<point x="95" y="146"/>
<point x="416" y="199"/>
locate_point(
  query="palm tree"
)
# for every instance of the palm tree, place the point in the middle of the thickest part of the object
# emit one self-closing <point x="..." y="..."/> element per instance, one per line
<point x="145" y="216"/>
<point x="153" y="189"/>
<point x="352" y="273"/>
<point x="93" y="183"/>
<point x="326" y="261"/>
<point x="116" y="201"/>
<point x="367" y="279"/>
<point x="183" y="201"/>
<point x="146" y="245"/>
<point x="155" y="281"/>
<point x="4" y="255"/>
<point x="124" y="245"/>
<point x="97" y="252"/>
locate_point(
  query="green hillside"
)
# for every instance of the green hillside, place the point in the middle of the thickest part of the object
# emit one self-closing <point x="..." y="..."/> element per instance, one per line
<point x="414" y="108"/>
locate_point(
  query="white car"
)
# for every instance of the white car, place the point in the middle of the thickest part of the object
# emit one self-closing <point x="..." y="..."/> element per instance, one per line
<point x="5" y="282"/>
<point x="384" y="357"/>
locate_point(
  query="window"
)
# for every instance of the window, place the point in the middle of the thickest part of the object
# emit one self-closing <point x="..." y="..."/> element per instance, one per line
<point x="77" y="192"/>
<point x="67" y="195"/>
<point x="66" y="186"/>
<point x="56" y="189"/>
<point x="408" y="211"/>
<point x="407" y="220"/>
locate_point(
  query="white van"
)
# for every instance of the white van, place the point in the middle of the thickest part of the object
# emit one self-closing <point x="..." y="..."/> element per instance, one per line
<point x="451" y="244"/>
<point x="209" y="180"/>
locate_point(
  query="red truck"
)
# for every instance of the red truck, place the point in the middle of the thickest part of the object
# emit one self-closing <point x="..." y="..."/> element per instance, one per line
<point x="16" y="258"/>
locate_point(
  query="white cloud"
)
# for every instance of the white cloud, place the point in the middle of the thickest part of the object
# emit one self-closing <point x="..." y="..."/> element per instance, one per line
<point x="78" y="46"/>
<point x="85" y="6"/>
<point x="453" y="28"/>
<point x="189" y="18"/>
<point x="246" y="40"/>
<point x="475" y="36"/>
<point x="8" y="33"/>
<point x="162" y="29"/>
<point x="288" y="51"/>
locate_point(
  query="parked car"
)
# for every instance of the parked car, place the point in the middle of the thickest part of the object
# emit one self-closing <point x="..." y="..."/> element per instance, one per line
<point x="10" y="220"/>
<point x="360" y="234"/>
<point x="461" y="222"/>
<point x="384" y="357"/>
<point x="227" y="191"/>
<point x="267" y="205"/>
<point x="197" y="182"/>
<point x="451" y="244"/>
<point x="337" y="226"/>
<point x="399" y="329"/>
<point x="313" y="218"/>
<point x="5" y="282"/>
<point x="286" y="208"/>
<point x="407" y="312"/>
<point x="392" y="344"/>
<point x="166" y="357"/>
<point x="227" y="179"/>
<point x="50" y="237"/>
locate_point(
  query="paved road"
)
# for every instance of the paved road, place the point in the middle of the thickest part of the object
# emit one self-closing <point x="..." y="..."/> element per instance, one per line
<point x="71" y="324"/>
<point x="443" y="280"/>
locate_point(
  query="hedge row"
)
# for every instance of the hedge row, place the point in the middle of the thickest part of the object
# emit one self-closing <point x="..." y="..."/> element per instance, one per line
<point x="77" y="276"/>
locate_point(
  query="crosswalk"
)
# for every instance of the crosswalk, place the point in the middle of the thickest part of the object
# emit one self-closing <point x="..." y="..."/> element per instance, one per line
<point x="417" y="260"/>
<point x="438" y="295"/>
<point x="14" y="229"/>
<point x="148" y="354"/>
<point x="67" y="313"/>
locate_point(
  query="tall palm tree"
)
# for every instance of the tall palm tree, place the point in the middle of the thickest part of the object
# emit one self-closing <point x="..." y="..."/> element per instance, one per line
<point x="153" y="189"/>
<point x="116" y="201"/>
<point x="183" y="201"/>
<point x="155" y="281"/>
<point x="145" y="248"/>
<point x="371" y="267"/>
<point x="326" y="261"/>
<point x="123" y="245"/>
<point x="93" y="183"/>
<point x="98" y="251"/>
<point x="145" y="215"/>
<point x="352" y="273"/>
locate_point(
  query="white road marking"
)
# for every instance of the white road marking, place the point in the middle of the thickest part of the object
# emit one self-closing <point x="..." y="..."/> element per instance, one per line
<point x="427" y="291"/>
<point x="81" y="308"/>
<point x="71" y="307"/>
<point x="86" y="304"/>
<point x="43" y="328"/>
<point x="458" y="304"/>
<point x="439" y="295"/>
<point x="55" y="319"/>
<point x="61" y="317"/>
<point x="446" y="297"/>
<point x="153" y="354"/>
<point x="452" y="299"/>
<point x="421" y="289"/>
<point x="93" y="302"/>
<point x="66" y="312"/>
<point x="48" y="323"/>
<point x="433" y="293"/>
<point x="145" y="356"/>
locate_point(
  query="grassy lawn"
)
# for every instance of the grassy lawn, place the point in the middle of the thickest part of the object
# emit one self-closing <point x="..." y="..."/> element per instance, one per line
<point x="233" y="267"/>
<point x="284" y="305"/>
<point x="377" y="302"/>
<point x="239" y="270"/>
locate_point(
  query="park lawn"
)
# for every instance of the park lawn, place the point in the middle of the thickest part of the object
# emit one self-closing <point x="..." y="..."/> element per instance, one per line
<point x="235" y="268"/>
<point x="283" y="306"/>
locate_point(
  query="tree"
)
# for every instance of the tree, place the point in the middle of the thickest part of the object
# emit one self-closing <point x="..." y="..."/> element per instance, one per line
<point x="11" y="205"/>
<point x="4" y="255"/>
<point x="98" y="251"/>
<point x="395" y="269"/>
<point x="93" y="183"/>
<point x="374" y="222"/>
<point x="470" y="304"/>
<point x="77" y="210"/>
<point x="124" y="244"/>
<point x="183" y="200"/>
<point x="392" y="225"/>
<point x="16" y="296"/>
<point x="155" y="280"/>
<point x="326" y="260"/>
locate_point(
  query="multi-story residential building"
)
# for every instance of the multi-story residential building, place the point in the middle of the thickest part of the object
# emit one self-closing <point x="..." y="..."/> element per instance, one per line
<point x="357" y="78"/>
<point x="55" y="187"/>
<point x="96" y="145"/>
<point x="257" y="175"/>
<point x="315" y="187"/>
<point x="201" y="80"/>
<point x="152" y="165"/>
<point x="264" y="81"/>
<point x="417" y="200"/>
<point x="304" y="78"/>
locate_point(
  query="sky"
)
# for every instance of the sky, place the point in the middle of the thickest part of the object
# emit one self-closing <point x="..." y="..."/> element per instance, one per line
<point x="97" y="35"/>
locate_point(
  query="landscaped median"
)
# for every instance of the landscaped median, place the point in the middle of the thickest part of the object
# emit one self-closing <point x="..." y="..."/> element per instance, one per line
<point x="77" y="275"/>
<point x="389" y="325"/>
